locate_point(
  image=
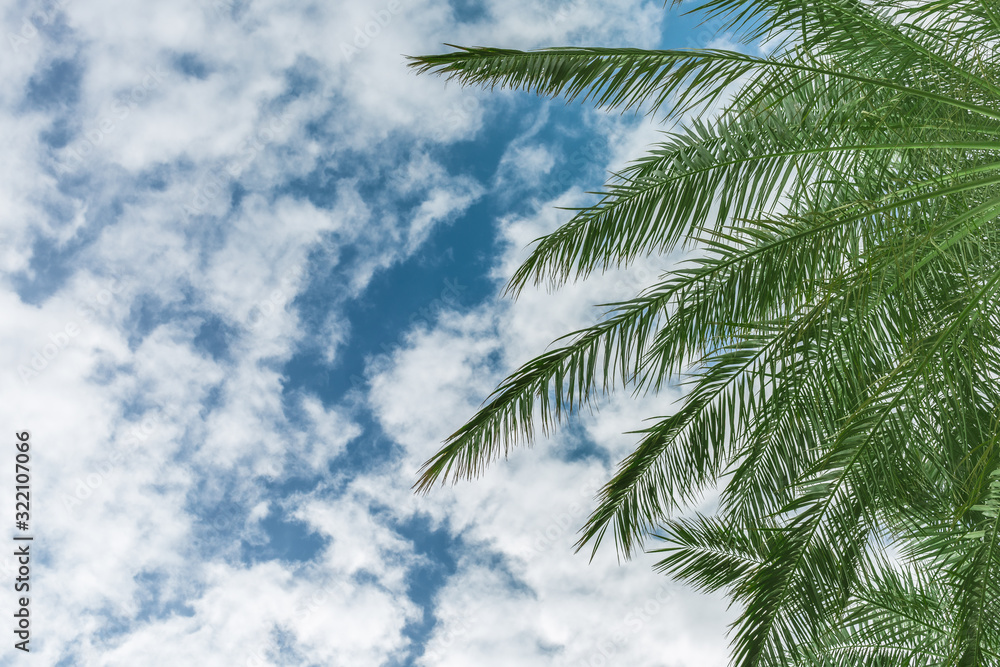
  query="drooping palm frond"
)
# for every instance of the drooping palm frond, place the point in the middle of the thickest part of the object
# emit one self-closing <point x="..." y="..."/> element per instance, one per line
<point x="839" y="329"/>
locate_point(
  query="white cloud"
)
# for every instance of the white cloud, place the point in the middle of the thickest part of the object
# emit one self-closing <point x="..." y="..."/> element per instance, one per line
<point x="156" y="230"/>
<point x="269" y="614"/>
<point x="526" y="510"/>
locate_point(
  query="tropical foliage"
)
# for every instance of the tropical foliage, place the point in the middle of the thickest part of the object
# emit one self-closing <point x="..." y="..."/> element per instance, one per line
<point x="839" y="327"/>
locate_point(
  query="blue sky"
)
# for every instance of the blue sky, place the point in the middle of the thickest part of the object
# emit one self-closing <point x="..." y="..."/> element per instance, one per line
<point x="250" y="271"/>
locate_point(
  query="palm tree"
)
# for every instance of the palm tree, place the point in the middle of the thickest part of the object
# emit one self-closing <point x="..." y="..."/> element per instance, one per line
<point x="839" y="328"/>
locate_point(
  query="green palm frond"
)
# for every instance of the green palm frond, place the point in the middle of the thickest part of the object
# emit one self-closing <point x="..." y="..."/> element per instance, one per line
<point x="838" y="330"/>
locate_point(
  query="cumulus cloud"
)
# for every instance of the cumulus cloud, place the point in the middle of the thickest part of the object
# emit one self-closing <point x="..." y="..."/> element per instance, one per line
<point x="181" y="187"/>
<point x="543" y="603"/>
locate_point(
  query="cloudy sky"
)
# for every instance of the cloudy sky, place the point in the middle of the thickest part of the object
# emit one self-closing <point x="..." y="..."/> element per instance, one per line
<point x="249" y="278"/>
